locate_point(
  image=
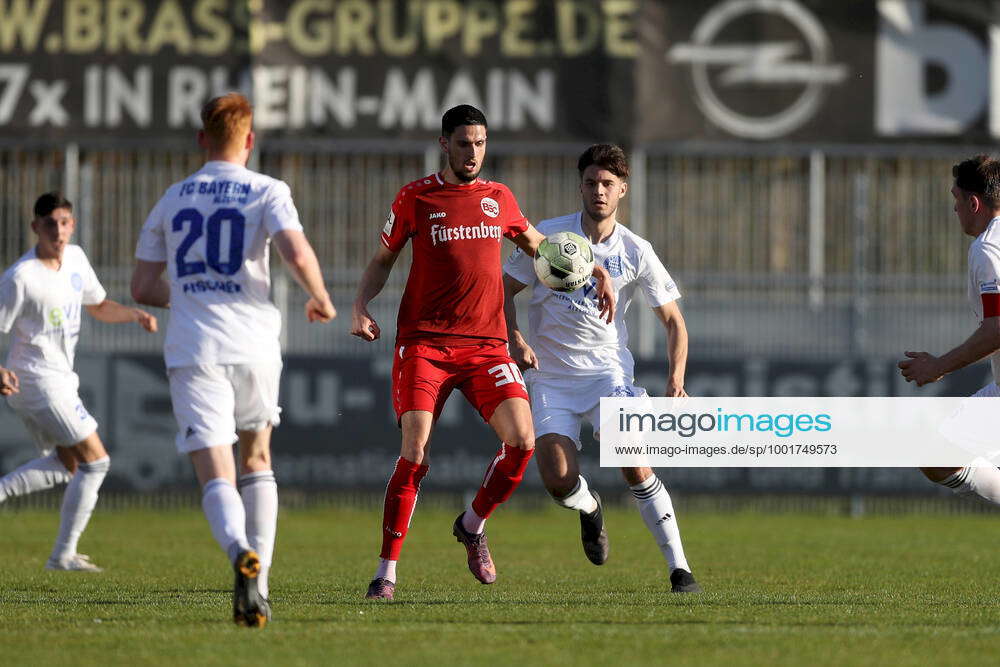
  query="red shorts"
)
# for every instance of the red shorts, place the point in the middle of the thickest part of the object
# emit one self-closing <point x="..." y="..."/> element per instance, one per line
<point x="424" y="375"/>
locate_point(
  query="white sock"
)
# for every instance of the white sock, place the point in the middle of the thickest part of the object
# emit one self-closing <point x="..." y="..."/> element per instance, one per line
<point x="981" y="480"/>
<point x="579" y="498"/>
<point x="35" y="475"/>
<point x="658" y="513"/>
<point x="223" y="508"/>
<point x="260" y="499"/>
<point x="78" y="504"/>
<point x="472" y="522"/>
<point x="386" y="570"/>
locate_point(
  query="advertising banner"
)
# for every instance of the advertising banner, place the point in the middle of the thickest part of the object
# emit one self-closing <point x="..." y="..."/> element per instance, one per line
<point x="338" y="430"/>
<point x="637" y="72"/>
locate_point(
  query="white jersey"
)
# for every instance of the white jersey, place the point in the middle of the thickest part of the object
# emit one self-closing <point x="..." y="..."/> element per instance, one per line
<point x="568" y="334"/>
<point x="41" y="308"/>
<point x="213" y="229"/>
<point x="984" y="277"/>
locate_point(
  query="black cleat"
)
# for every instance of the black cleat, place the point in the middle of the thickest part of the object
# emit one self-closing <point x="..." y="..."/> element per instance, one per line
<point x="593" y="535"/>
<point x="380" y="589"/>
<point x="682" y="581"/>
<point x="250" y="608"/>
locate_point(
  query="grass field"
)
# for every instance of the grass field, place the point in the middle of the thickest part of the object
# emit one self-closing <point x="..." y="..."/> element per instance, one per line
<point x="785" y="589"/>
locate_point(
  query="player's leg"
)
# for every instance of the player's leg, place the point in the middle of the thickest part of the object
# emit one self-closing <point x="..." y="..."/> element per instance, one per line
<point x="557" y="464"/>
<point x="79" y="501"/>
<point x="54" y="466"/>
<point x="259" y="490"/>
<point x="257" y="413"/>
<point x="401" y="499"/>
<point x="980" y="478"/>
<point x="204" y="406"/>
<point x="421" y="382"/>
<point x="511" y="420"/>
<point x="657" y="512"/>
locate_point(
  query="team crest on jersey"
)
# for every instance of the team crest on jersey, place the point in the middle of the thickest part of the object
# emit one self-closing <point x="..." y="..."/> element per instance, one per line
<point x="389" y="222"/>
<point x="76" y="280"/>
<point x="613" y="265"/>
<point x="990" y="286"/>
<point x="490" y="206"/>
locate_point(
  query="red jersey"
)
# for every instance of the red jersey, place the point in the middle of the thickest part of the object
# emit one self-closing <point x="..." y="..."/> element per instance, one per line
<point x="454" y="293"/>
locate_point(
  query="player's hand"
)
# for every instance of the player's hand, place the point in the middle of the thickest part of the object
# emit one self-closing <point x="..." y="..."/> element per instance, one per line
<point x="921" y="367"/>
<point x="146" y="320"/>
<point x="8" y="382"/>
<point x="675" y="390"/>
<point x="605" y="294"/>
<point x="523" y="356"/>
<point x="363" y="325"/>
<point x="320" y="311"/>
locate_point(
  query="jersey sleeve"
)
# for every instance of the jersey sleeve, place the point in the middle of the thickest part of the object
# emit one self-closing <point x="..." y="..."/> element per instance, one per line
<point x="93" y="291"/>
<point x="280" y="213"/>
<point x="515" y="223"/>
<point x="11" y="302"/>
<point x="152" y="245"/>
<point x="520" y="266"/>
<point x="986" y="274"/>
<point x="656" y="283"/>
<point x="399" y="224"/>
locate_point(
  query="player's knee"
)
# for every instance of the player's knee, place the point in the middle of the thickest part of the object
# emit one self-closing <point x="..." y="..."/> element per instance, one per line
<point x="525" y="441"/>
<point x="560" y="487"/>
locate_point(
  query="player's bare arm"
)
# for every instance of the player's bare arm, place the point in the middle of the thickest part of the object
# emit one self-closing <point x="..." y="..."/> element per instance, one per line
<point x="363" y="325"/>
<point x="300" y="258"/>
<point x="528" y="242"/>
<point x="520" y="351"/>
<point x="8" y="382"/>
<point x="924" y="368"/>
<point x="112" y="312"/>
<point x="149" y="287"/>
<point x="677" y="346"/>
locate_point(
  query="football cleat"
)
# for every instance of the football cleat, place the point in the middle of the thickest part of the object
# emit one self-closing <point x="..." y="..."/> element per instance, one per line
<point x="593" y="534"/>
<point x="682" y="581"/>
<point x="74" y="563"/>
<point x="250" y="608"/>
<point x="380" y="589"/>
<point x="480" y="561"/>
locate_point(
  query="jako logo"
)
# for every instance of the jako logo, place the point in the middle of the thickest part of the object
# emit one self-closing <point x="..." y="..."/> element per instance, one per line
<point x="490" y="206"/>
<point x="435" y="216"/>
<point x="440" y="233"/>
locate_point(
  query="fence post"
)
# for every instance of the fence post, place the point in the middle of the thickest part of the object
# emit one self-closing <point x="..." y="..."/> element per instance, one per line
<point x="859" y="286"/>
<point x="432" y="159"/>
<point x="638" y="185"/>
<point x="817" y="228"/>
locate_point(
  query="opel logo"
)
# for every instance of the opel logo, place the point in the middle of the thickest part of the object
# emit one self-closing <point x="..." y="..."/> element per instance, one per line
<point x="763" y="64"/>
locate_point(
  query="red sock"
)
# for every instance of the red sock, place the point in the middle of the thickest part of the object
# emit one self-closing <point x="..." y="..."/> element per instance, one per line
<point x="400" y="498"/>
<point x="502" y="477"/>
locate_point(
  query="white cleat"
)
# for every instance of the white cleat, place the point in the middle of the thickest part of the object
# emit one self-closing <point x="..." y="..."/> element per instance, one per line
<point x="75" y="563"/>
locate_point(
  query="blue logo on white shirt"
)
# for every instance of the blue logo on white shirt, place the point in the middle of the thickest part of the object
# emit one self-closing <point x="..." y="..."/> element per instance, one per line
<point x="76" y="280"/>
<point x="613" y="265"/>
<point x="990" y="286"/>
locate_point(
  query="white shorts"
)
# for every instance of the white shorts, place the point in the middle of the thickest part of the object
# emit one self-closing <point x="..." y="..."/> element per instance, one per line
<point x="212" y="402"/>
<point x="560" y="403"/>
<point x="55" y="416"/>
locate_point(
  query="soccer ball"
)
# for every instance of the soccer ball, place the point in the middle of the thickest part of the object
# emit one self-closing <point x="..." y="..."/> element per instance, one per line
<point x="564" y="261"/>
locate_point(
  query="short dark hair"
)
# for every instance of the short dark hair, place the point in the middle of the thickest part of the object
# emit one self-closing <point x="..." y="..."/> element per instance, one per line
<point x="49" y="202"/>
<point x="463" y="114"/>
<point x="979" y="175"/>
<point x="606" y="156"/>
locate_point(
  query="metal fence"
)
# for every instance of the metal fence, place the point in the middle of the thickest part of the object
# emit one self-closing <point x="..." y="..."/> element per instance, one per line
<point x="778" y="252"/>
